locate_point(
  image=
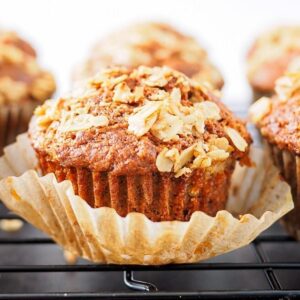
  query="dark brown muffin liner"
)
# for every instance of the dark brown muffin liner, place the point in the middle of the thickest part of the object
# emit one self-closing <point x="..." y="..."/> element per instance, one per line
<point x="289" y="164"/>
<point x="14" y="120"/>
<point x="160" y="196"/>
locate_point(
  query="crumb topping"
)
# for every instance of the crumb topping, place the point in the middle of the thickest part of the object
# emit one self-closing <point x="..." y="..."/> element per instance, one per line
<point x="151" y="44"/>
<point x="183" y="125"/>
<point x="21" y="78"/>
<point x="278" y="117"/>
<point x="272" y="54"/>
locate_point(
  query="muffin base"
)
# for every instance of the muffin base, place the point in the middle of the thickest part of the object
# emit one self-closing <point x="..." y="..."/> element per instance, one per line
<point x="289" y="165"/>
<point x="14" y="120"/>
<point x="159" y="196"/>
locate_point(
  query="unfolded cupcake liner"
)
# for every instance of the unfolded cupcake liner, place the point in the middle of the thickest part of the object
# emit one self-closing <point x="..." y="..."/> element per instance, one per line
<point x="289" y="165"/>
<point x="14" y="119"/>
<point x="258" y="197"/>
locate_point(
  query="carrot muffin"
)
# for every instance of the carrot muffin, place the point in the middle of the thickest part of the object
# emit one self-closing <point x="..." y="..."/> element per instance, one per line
<point x="146" y="140"/>
<point x="278" y="119"/>
<point x="271" y="55"/>
<point x="23" y="85"/>
<point x="151" y="44"/>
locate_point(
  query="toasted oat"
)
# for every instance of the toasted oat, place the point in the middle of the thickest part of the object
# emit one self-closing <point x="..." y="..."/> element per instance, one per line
<point x="123" y="94"/>
<point x="259" y="109"/>
<point x="141" y="122"/>
<point x="12" y="90"/>
<point x="218" y="154"/>
<point x="202" y="162"/>
<point x="42" y="87"/>
<point x="70" y="258"/>
<point x="163" y="163"/>
<point x="287" y="86"/>
<point x="183" y="171"/>
<point x="184" y="157"/>
<point x="82" y="122"/>
<point x="236" y="139"/>
<point x="11" y="225"/>
<point x="21" y="76"/>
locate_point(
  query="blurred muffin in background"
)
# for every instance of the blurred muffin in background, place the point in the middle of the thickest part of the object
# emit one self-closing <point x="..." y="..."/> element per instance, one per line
<point x="272" y="54"/>
<point x="278" y="119"/>
<point x="148" y="140"/>
<point x="151" y="44"/>
<point x="23" y="85"/>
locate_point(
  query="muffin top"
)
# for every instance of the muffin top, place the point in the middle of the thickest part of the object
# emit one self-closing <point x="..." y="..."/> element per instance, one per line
<point x="272" y="54"/>
<point x="279" y="117"/>
<point x="151" y="44"/>
<point x="21" y="78"/>
<point x="137" y="121"/>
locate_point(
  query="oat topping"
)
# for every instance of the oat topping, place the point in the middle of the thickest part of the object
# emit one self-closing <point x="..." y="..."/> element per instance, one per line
<point x="272" y="54"/>
<point x="236" y="138"/>
<point x="278" y="117"/>
<point x="287" y="86"/>
<point x="21" y="78"/>
<point x="159" y="104"/>
<point x="199" y="155"/>
<point x="259" y="109"/>
<point x="151" y="44"/>
<point x="11" y="225"/>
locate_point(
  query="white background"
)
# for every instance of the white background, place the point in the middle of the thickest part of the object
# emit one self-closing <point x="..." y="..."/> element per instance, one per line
<point x="63" y="30"/>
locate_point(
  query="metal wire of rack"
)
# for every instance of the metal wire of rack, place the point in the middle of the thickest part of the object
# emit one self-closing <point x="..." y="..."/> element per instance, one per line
<point x="31" y="267"/>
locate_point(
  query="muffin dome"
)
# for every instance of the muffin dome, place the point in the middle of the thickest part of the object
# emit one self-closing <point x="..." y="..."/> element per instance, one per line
<point x="272" y="54"/>
<point x="144" y="133"/>
<point x="127" y="117"/>
<point x="21" y="78"/>
<point x="279" y="117"/>
<point x="151" y="44"/>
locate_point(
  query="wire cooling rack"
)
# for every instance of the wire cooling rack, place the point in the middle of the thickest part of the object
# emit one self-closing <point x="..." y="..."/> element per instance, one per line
<point x="32" y="266"/>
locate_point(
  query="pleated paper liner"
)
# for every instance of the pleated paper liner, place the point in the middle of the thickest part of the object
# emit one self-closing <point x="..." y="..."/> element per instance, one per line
<point x="159" y="196"/>
<point x="289" y="164"/>
<point x="14" y="120"/>
<point x="258" y="197"/>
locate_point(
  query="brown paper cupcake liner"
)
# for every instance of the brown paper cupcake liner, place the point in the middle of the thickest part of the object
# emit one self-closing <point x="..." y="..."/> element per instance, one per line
<point x="160" y="197"/>
<point x="14" y="120"/>
<point x="258" y="197"/>
<point x="289" y="165"/>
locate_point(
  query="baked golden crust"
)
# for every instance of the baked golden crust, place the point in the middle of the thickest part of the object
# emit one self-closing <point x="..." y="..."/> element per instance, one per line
<point x="272" y="54"/>
<point x="151" y="44"/>
<point x="139" y="121"/>
<point x="279" y="117"/>
<point x="21" y="78"/>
